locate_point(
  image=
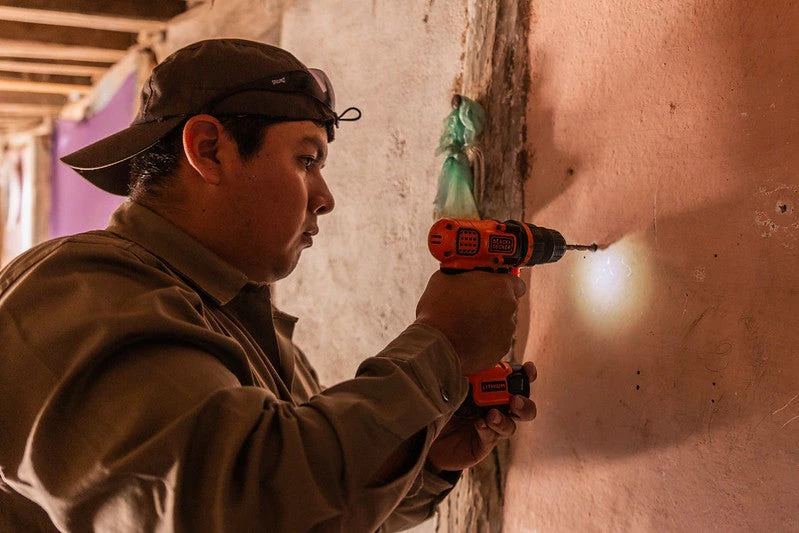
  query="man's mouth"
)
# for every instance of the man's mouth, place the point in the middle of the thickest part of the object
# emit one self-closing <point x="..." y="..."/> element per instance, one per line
<point x="307" y="236"/>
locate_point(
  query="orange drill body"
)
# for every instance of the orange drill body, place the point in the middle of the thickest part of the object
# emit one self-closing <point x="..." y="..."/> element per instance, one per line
<point x="471" y="244"/>
<point x="461" y="245"/>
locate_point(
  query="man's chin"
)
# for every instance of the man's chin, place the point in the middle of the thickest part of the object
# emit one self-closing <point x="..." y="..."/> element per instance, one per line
<point x="289" y="262"/>
<point x="286" y="269"/>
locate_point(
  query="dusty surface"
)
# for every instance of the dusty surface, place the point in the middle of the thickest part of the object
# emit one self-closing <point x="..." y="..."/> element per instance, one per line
<point x="358" y="286"/>
<point x="668" y="386"/>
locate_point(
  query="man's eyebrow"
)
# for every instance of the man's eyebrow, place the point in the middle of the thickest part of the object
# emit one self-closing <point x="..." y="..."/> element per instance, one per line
<point x="321" y="151"/>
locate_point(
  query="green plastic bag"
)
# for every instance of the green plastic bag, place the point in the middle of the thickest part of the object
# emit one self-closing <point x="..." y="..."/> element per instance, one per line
<point x="462" y="127"/>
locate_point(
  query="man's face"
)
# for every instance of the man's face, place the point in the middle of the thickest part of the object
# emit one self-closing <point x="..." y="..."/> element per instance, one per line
<point x="276" y="197"/>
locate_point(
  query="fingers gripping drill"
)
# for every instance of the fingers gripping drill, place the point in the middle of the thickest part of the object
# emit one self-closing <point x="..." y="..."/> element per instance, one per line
<point x="461" y="245"/>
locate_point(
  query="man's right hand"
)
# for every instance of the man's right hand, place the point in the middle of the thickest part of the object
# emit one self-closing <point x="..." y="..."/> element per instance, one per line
<point x="476" y="311"/>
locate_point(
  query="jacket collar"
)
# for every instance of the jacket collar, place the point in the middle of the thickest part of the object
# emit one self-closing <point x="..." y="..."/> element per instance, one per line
<point x="203" y="268"/>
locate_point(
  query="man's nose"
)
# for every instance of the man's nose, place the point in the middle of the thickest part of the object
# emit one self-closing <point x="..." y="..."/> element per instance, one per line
<point x="322" y="202"/>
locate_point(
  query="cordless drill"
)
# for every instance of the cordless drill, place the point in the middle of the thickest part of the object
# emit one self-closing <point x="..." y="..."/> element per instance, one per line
<point x="461" y="245"/>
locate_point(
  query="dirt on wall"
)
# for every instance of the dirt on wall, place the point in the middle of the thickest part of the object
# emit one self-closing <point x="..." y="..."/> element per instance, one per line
<point x="668" y="388"/>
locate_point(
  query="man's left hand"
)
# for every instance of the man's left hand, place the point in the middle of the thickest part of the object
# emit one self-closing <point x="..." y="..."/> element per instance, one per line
<point x="464" y="443"/>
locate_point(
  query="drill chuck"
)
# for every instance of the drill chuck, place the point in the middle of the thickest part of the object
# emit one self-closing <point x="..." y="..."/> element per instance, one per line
<point x="548" y="245"/>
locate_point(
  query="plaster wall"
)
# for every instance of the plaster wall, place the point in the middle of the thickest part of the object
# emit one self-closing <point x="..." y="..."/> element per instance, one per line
<point x="357" y="287"/>
<point x="668" y="388"/>
<point x="258" y="20"/>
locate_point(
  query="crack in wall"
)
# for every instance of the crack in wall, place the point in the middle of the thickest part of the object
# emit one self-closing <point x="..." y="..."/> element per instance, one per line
<point x="495" y="74"/>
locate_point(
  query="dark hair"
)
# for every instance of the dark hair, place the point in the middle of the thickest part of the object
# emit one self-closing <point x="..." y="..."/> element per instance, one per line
<point x="152" y="171"/>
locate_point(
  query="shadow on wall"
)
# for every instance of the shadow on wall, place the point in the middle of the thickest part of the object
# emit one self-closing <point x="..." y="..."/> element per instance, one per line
<point x="709" y="345"/>
<point x="707" y="348"/>
<point x="558" y="166"/>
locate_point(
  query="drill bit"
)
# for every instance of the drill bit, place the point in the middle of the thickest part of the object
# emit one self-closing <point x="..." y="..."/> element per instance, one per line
<point x="587" y="247"/>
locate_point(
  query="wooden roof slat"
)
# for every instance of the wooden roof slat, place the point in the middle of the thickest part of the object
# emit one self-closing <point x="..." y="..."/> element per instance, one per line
<point x="28" y="110"/>
<point x="66" y="35"/>
<point x="51" y="68"/>
<point x="45" y="78"/>
<point x="17" y="128"/>
<point x="78" y="20"/>
<point x="52" y="51"/>
<point x="34" y="50"/>
<point x="162" y="10"/>
<point x="20" y="119"/>
<point x="42" y="87"/>
<point x="56" y="100"/>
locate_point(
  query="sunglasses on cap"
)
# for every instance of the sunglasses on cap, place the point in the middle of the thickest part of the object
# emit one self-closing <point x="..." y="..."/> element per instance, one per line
<point x="313" y="83"/>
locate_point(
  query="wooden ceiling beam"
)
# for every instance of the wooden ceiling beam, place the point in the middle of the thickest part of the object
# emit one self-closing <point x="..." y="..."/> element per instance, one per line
<point x="162" y="10"/>
<point x="52" y="68"/>
<point x="78" y="20"/>
<point x="42" y="87"/>
<point x="45" y="78"/>
<point x="19" y="128"/>
<point x="17" y="118"/>
<point x="56" y="100"/>
<point x="51" y="51"/>
<point x="26" y="110"/>
<point x="21" y="119"/>
<point x="65" y="35"/>
<point x="33" y="50"/>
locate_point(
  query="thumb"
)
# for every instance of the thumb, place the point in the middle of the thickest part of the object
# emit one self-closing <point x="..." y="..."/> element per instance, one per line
<point x="519" y="287"/>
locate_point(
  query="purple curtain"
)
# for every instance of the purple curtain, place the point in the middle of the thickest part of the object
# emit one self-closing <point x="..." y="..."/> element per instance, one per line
<point x="76" y="204"/>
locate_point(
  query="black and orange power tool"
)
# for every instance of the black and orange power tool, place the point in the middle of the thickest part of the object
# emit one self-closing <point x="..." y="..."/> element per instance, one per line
<point x="461" y="245"/>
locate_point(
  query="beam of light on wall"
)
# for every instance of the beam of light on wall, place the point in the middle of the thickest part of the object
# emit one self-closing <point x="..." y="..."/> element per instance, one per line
<point x="611" y="285"/>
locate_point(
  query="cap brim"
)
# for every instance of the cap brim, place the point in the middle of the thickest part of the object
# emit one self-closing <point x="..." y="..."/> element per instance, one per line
<point x="106" y="163"/>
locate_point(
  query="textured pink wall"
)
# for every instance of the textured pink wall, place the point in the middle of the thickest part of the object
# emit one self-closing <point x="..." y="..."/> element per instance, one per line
<point x="669" y="363"/>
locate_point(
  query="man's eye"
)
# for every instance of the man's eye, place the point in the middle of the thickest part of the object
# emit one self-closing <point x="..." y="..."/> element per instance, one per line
<point x="308" y="161"/>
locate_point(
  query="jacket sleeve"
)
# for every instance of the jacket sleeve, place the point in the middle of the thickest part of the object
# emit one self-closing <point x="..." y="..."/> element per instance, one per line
<point x="426" y="492"/>
<point x="421" y="502"/>
<point x="151" y="428"/>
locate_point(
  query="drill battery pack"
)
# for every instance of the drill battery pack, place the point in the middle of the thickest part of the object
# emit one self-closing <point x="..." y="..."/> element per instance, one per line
<point x="493" y="388"/>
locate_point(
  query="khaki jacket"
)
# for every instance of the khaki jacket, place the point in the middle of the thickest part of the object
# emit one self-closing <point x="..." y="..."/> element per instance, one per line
<point x="146" y="385"/>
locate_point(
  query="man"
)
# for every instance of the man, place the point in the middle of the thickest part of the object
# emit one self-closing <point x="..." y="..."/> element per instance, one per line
<point x="147" y="382"/>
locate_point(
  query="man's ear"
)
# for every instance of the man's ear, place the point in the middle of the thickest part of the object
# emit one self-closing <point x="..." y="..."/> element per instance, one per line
<point x="202" y="139"/>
